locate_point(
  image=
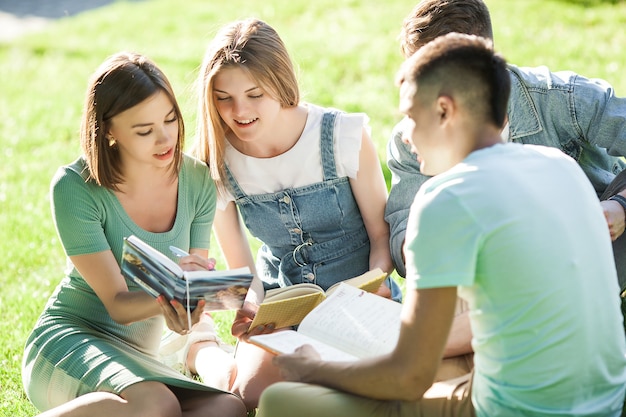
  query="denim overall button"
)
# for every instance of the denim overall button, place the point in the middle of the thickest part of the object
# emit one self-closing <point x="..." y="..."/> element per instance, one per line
<point x="296" y="230"/>
<point x="286" y="199"/>
<point x="310" y="276"/>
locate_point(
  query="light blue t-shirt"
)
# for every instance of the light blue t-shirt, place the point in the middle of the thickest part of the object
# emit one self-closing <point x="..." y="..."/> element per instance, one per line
<point x="520" y="230"/>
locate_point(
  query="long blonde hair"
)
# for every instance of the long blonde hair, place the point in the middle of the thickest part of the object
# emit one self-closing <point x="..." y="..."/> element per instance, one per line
<point x="255" y="47"/>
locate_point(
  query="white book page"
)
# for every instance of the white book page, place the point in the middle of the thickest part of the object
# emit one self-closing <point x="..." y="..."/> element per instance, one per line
<point x="288" y="341"/>
<point x="355" y="321"/>
<point x="199" y="275"/>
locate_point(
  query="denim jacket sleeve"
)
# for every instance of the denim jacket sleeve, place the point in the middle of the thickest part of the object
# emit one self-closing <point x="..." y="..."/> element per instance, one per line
<point x="582" y="117"/>
<point x="406" y="179"/>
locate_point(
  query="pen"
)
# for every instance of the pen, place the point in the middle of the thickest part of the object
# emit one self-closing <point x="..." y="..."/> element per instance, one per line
<point x="178" y="252"/>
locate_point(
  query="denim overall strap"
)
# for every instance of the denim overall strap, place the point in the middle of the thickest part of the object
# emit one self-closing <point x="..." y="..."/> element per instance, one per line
<point x="311" y="233"/>
<point x="233" y="185"/>
<point x="327" y="145"/>
<point x="327" y="155"/>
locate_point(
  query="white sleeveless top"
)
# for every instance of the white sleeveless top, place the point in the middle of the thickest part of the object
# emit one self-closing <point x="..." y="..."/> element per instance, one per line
<point x="301" y="165"/>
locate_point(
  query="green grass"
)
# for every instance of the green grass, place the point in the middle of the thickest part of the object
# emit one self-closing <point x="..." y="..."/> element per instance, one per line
<point x="347" y="54"/>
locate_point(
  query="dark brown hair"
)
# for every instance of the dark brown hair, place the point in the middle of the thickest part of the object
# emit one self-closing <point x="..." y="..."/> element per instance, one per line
<point x="122" y="81"/>
<point x="432" y="18"/>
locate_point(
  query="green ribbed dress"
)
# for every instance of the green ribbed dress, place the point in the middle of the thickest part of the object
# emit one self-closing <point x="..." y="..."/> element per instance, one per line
<point x="75" y="347"/>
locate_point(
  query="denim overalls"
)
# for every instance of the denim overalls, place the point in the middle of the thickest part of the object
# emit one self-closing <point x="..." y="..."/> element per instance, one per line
<point x="314" y="233"/>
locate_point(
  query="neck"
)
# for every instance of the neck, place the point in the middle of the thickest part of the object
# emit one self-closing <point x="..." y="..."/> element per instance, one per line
<point x="488" y="137"/>
<point x="140" y="178"/>
<point x="471" y="140"/>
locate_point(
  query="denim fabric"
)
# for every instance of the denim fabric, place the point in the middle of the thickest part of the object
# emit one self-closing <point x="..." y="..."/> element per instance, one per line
<point x="313" y="233"/>
<point x="564" y="110"/>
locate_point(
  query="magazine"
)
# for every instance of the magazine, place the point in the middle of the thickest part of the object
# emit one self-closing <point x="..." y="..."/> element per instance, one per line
<point x="159" y="275"/>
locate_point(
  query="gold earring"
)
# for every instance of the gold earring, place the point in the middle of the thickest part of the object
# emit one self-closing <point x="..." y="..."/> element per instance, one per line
<point x="112" y="141"/>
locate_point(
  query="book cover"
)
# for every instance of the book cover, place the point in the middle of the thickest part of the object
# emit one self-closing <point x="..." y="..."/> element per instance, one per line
<point x="288" y="306"/>
<point x="157" y="274"/>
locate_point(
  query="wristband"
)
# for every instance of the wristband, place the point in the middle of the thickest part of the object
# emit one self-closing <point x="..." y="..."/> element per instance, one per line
<point x="620" y="199"/>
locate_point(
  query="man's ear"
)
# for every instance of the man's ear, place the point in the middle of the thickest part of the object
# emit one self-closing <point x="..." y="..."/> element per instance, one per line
<point x="446" y="108"/>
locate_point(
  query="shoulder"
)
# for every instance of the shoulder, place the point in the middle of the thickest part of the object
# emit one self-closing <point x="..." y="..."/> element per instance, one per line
<point x="195" y="173"/>
<point x="587" y="93"/>
<point x="74" y="196"/>
<point x="352" y="121"/>
<point x="343" y="120"/>
<point x="544" y="79"/>
<point x="72" y="176"/>
<point x="194" y="166"/>
<point x="547" y="151"/>
<point x="553" y="156"/>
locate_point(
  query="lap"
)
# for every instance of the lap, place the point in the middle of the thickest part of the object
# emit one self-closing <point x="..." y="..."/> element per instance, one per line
<point x="446" y="398"/>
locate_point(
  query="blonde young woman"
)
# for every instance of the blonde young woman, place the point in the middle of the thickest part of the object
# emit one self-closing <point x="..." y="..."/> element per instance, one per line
<point x="305" y="180"/>
<point x="93" y="350"/>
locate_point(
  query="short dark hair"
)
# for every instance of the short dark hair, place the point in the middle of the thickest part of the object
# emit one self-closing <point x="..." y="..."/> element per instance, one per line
<point x="432" y="18"/>
<point x="463" y="66"/>
<point x="122" y="81"/>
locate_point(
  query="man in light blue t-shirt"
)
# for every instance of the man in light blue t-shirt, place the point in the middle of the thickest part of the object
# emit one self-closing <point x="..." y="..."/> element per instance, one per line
<point x="538" y="281"/>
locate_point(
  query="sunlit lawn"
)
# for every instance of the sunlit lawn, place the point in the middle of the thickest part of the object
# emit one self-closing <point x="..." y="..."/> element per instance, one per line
<point x="347" y="54"/>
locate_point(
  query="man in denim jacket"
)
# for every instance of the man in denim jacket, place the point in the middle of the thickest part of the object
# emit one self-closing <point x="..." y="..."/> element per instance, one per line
<point x="582" y="117"/>
<point x="579" y="116"/>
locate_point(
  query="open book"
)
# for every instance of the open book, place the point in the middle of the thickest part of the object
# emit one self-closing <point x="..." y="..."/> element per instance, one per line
<point x="350" y="324"/>
<point x="287" y="306"/>
<point x="157" y="274"/>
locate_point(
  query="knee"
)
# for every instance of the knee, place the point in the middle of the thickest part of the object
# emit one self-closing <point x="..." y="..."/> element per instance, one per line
<point x="275" y="398"/>
<point x="272" y="393"/>
<point x="228" y="405"/>
<point x="255" y="372"/>
<point x="251" y="389"/>
<point x="249" y="397"/>
<point x="160" y="407"/>
<point x="156" y="401"/>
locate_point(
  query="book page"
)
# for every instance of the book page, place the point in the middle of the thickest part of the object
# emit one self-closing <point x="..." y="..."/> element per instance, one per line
<point x="212" y="276"/>
<point x="355" y="321"/>
<point x="287" y="341"/>
<point x="283" y="293"/>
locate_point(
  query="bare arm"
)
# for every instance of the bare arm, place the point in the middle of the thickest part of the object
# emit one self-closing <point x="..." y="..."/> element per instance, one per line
<point x="460" y="338"/>
<point x="406" y="373"/>
<point x="102" y="272"/>
<point x="233" y="241"/>
<point x="370" y="192"/>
